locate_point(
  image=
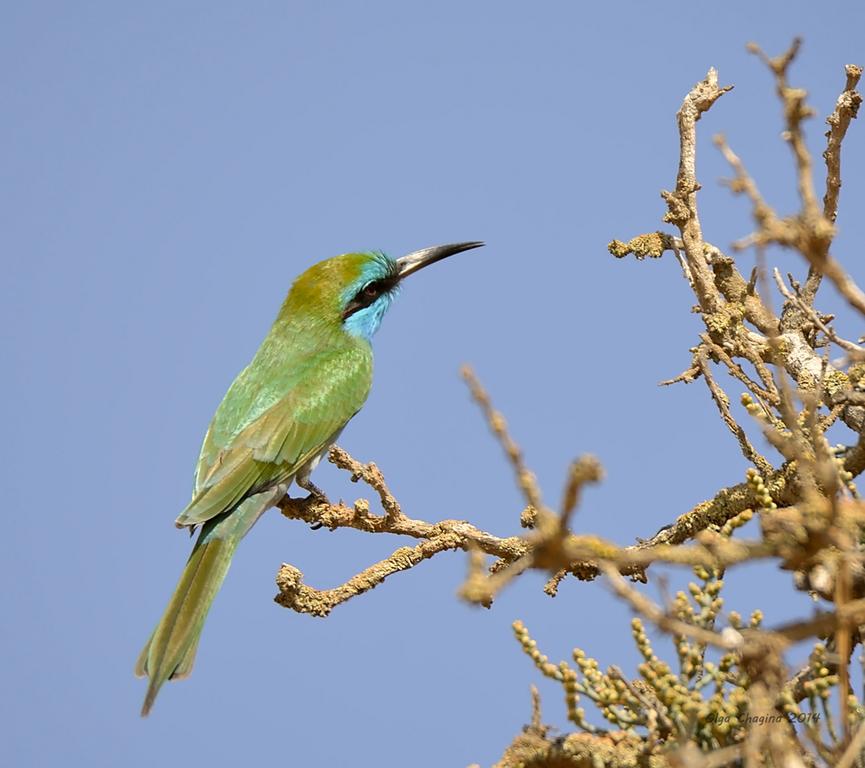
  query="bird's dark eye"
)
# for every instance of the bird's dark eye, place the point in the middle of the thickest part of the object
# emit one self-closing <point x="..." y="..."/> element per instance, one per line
<point x="368" y="295"/>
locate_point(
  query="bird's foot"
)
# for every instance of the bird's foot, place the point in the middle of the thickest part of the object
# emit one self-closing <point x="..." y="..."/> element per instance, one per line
<point x="315" y="493"/>
<point x="316" y="496"/>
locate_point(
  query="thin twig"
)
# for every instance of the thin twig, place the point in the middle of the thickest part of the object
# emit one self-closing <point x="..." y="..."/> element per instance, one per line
<point x="854" y="749"/>
<point x="526" y="479"/>
<point x="723" y="403"/>
<point x="848" y="346"/>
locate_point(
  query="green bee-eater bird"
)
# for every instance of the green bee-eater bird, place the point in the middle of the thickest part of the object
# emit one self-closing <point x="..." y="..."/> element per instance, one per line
<point x="311" y="374"/>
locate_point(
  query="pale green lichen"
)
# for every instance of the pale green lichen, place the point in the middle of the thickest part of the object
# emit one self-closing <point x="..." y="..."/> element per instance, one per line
<point x="651" y="244"/>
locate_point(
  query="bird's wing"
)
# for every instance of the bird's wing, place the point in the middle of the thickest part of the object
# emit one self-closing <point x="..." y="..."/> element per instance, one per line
<point x="278" y="442"/>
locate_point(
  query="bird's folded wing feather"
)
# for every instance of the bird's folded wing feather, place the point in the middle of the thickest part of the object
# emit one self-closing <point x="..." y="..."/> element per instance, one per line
<point x="276" y="444"/>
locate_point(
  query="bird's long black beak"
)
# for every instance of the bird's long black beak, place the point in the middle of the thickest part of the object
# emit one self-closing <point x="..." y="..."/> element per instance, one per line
<point x="426" y="256"/>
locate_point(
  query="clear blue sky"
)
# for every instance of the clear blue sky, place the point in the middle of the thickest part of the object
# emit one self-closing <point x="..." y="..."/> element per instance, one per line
<point x="167" y="169"/>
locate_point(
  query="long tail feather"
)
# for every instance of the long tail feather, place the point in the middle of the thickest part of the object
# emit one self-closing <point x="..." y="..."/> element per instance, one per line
<point x="170" y="651"/>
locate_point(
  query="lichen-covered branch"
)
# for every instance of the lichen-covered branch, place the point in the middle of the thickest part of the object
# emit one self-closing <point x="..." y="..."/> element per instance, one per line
<point x="293" y="593"/>
<point x="811" y="518"/>
<point x="810" y="231"/>
<point x="439" y="537"/>
<point x="682" y="202"/>
<point x="549" y="546"/>
<point x="846" y="109"/>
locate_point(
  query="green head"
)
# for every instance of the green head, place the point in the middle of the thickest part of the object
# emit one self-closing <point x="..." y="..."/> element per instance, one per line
<point x="354" y="290"/>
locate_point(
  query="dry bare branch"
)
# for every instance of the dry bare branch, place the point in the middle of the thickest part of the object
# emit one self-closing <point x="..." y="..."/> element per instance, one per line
<point x="682" y="202"/>
<point x="723" y="403"/>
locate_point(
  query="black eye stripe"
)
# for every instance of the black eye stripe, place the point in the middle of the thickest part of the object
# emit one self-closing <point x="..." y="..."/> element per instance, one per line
<point x="367" y="295"/>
